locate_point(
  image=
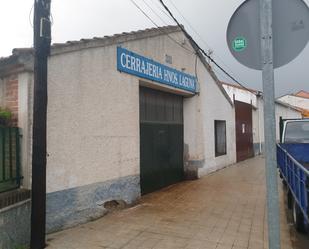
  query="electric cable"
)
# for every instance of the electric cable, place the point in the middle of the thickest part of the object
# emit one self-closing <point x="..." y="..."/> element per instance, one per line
<point x="155" y="12"/>
<point x="199" y="48"/>
<point x="159" y="7"/>
<point x="145" y="14"/>
<point x="200" y="36"/>
<point x="186" y="20"/>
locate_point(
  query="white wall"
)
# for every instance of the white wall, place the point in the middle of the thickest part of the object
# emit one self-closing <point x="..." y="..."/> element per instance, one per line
<point x="25" y="89"/>
<point x="241" y="95"/>
<point x="93" y="117"/>
<point x="295" y="101"/>
<point x="258" y="117"/>
<point x="93" y="122"/>
<point x="193" y="129"/>
<point x="216" y="107"/>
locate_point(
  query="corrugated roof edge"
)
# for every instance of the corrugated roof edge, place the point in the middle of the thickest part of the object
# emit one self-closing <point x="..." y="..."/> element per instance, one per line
<point x="70" y="46"/>
<point x="212" y="74"/>
<point x="287" y="105"/>
<point x="240" y="87"/>
<point x="292" y="95"/>
<point x="20" y="60"/>
<point x="83" y="43"/>
<point x="303" y="94"/>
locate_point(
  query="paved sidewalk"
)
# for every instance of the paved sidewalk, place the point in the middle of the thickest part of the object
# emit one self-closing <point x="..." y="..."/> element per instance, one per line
<point x="223" y="210"/>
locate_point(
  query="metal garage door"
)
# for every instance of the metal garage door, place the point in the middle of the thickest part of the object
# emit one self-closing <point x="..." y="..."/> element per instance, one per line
<point x="244" y="135"/>
<point x="161" y="139"/>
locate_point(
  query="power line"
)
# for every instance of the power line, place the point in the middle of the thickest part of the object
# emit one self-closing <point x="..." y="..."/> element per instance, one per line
<point x="187" y="35"/>
<point x="199" y="35"/>
<point x="223" y="75"/>
<point x="186" y="20"/>
<point x="155" y="12"/>
<point x="172" y="19"/>
<point x="200" y="49"/>
<point x="161" y="10"/>
<point x="145" y="14"/>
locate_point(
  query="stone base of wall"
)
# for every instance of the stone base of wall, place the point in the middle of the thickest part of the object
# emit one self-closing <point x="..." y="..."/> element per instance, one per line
<point x="191" y="169"/>
<point x="256" y="148"/>
<point x="15" y="225"/>
<point x="206" y="171"/>
<point x="74" y="206"/>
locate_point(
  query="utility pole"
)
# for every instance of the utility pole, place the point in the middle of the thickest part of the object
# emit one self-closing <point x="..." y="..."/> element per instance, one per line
<point x="42" y="40"/>
<point x="269" y="123"/>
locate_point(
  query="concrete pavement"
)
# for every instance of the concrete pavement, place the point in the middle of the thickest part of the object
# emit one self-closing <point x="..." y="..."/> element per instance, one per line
<point x="224" y="210"/>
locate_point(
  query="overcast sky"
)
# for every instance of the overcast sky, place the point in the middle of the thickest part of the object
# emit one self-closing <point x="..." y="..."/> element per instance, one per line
<point x="208" y="20"/>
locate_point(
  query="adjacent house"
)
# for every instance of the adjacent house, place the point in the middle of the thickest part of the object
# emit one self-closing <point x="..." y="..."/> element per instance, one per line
<point x="249" y="119"/>
<point x="299" y="100"/>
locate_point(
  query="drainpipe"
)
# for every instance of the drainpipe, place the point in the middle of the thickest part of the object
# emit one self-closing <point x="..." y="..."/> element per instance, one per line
<point x="258" y="96"/>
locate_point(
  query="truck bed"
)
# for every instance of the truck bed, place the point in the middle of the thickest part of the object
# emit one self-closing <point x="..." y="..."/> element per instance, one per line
<point x="306" y="165"/>
<point x="300" y="152"/>
<point x="293" y="163"/>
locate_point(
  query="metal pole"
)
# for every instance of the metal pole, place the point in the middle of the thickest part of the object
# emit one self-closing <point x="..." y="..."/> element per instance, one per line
<point x="269" y="124"/>
<point x="38" y="190"/>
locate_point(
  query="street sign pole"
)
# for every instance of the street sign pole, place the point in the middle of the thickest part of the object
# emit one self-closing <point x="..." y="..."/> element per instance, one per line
<point x="252" y="43"/>
<point x="269" y="123"/>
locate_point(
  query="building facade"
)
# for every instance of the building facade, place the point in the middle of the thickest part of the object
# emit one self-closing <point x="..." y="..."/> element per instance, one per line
<point x="127" y="114"/>
<point x="299" y="100"/>
<point x="250" y="130"/>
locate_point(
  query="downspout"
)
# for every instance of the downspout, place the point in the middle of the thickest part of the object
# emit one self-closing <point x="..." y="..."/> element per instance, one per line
<point x="259" y="121"/>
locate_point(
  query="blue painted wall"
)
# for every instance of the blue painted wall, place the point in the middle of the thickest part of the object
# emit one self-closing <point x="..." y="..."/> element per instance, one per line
<point x="74" y="206"/>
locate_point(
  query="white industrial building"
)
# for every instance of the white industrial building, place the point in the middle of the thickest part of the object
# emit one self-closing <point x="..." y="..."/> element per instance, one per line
<point x="127" y="114"/>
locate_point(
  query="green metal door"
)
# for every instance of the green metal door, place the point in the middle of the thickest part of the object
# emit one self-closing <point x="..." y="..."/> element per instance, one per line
<point x="161" y="139"/>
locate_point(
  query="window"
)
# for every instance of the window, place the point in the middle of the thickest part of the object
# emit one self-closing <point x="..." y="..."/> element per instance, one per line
<point x="220" y="137"/>
<point x="297" y="132"/>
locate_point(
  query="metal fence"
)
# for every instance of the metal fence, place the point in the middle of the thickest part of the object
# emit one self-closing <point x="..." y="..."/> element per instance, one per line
<point x="296" y="176"/>
<point x="10" y="174"/>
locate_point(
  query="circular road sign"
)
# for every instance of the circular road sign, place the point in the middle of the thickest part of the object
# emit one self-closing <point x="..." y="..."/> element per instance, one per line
<point x="290" y="32"/>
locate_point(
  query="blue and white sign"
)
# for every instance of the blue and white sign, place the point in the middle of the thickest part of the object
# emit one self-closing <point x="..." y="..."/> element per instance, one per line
<point x="143" y="67"/>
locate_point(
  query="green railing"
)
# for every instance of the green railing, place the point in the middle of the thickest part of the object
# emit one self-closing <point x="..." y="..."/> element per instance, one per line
<point x="10" y="174"/>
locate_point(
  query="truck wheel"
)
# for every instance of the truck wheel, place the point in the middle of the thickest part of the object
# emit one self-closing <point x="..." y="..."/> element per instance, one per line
<point x="298" y="218"/>
<point x="289" y="199"/>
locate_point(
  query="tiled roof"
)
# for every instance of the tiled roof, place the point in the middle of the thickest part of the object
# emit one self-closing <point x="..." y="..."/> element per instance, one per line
<point x="302" y="94"/>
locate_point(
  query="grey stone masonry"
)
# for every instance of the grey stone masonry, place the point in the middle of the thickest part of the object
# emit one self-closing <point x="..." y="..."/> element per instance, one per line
<point x="15" y="225"/>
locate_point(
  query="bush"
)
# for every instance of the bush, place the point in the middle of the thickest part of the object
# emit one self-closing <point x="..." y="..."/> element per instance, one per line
<point x="5" y="116"/>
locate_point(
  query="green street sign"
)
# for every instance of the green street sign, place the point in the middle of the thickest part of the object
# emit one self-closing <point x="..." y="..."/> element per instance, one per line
<point x="239" y="44"/>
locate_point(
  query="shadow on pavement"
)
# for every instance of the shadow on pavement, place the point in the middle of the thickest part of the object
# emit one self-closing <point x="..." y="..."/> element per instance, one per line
<point x="299" y="241"/>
